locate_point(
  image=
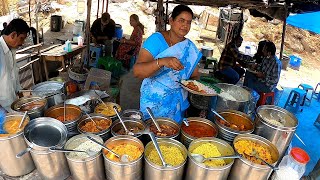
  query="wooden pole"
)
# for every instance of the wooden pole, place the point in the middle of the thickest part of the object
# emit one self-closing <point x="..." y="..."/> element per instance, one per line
<point x="107" y="5"/>
<point x="284" y="26"/>
<point x="87" y="54"/>
<point x="102" y="9"/>
<point x="98" y="9"/>
<point x="30" y="12"/>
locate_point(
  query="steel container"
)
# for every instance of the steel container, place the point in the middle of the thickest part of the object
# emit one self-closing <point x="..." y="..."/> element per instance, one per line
<point x="198" y="170"/>
<point x="186" y="139"/>
<point x="129" y="123"/>
<point x="156" y="172"/>
<point x="12" y="145"/>
<point x="90" y="168"/>
<point x="48" y="88"/>
<point x="105" y="134"/>
<point x="166" y="121"/>
<point x="244" y="169"/>
<point x="240" y="103"/>
<point x="34" y="113"/>
<point x="41" y="134"/>
<point x="132" y="170"/>
<point x="206" y="51"/>
<point x="237" y="117"/>
<point x="110" y="106"/>
<point x="58" y="110"/>
<point x="279" y="136"/>
<point x="132" y="113"/>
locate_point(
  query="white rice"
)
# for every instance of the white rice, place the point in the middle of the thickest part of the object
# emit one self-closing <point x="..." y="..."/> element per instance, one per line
<point x="84" y="146"/>
<point x="227" y="96"/>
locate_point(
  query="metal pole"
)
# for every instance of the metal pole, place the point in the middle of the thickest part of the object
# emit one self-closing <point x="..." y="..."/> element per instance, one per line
<point x="88" y="32"/>
<point x="98" y="9"/>
<point x="284" y="26"/>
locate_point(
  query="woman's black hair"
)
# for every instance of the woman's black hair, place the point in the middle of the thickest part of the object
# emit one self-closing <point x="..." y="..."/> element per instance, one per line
<point x="271" y="48"/>
<point x="17" y="25"/>
<point x="179" y="9"/>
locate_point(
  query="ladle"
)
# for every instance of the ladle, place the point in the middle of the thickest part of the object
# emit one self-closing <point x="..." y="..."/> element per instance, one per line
<point x="124" y="126"/>
<point x="200" y="158"/>
<point x="23" y="118"/>
<point x="153" y="119"/>
<point x="123" y="158"/>
<point x="156" y="145"/>
<point x="255" y="154"/>
<point x="222" y="118"/>
<point x="89" y="152"/>
<point x="98" y="127"/>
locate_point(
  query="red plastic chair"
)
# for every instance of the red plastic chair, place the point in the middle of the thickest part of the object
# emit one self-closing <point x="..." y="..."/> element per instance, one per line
<point x="263" y="98"/>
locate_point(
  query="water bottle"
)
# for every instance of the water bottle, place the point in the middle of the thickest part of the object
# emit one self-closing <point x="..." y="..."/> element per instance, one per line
<point x="80" y="41"/>
<point x="247" y="50"/>
<point x="67" y="46"/>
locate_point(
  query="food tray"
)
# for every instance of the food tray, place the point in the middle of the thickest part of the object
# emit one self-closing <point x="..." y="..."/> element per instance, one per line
<point x="209" y="91"/>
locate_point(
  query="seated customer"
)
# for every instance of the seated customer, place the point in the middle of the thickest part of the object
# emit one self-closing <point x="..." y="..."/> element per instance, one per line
<point x="103" y="30"/>
<point x="130" y="47"/>
<point x="230" y="56"/>
<point x="259" y="54"/>
<point x="268" y="72"/>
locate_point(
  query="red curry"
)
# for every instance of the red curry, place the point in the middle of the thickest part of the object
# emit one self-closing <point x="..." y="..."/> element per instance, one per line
<point x="199" y="129"/>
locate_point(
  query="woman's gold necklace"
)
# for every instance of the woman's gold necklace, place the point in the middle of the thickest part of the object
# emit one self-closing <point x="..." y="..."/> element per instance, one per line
<point x="170" y="43"/>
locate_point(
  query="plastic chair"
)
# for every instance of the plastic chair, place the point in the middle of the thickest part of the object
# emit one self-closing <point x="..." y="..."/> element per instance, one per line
<point x="307" y="88"/>
<point x="296" y="97"/>
<point x="317" y="122"/>
<point x="316" y="94"/>
<point x="98" y="51"/>
<point x="264" y="97"/>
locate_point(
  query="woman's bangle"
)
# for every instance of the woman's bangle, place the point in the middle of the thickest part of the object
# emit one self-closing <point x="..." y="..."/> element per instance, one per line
<point x="158" y="63"/>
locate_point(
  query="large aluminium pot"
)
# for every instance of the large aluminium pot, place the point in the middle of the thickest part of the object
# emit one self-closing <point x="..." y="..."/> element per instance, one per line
<point x="12" y="145"/>
<point x="279" y="136"/>
<point x="156" y="172"/>
<point x="186" y="138"/>
<point x="33" y="113"/>
<point x="243" y="169"/>
<point x="132" y="170"/>
<point x="166" y="122"/>
<point x="87" y="168"/>
<point x="239" y="102"/>
<point x="48" y="88"/>
<point x="41" y="134"/>
<point x="73" y="111"/>
<point x="198" y="170"/>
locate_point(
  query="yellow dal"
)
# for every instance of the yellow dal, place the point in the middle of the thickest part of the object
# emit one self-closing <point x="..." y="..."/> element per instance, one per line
<point x="209" y="150"/>
<point x="134" y="152"/>
<point x="172" y="155"/>
<point x="107" y="109"/>
<point x="245" y="148"/>
<point x="11" y="126"/>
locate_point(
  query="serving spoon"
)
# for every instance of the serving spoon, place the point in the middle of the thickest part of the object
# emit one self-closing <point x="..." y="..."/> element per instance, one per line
<point x="255" y="154"/>
<point x="124" y="126"/>
<point x="153" y="119"/>
<point x="223" y="119"/>
<point x="89" y="152"/>
<point x="123" y="158"/>
<point x="23" y="118"/>
<point x="98" y="127"/>
<point x="200" y="158"/>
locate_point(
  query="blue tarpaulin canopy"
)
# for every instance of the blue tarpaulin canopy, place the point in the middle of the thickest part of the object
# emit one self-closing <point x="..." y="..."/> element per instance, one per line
<point x="307" y="21"/>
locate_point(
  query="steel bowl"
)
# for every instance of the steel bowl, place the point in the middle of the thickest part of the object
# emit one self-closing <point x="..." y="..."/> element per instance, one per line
<point x="34" y="113"/>
<point x="105" y="134"/>
<point x="198" y="170"/>
<point x="73" y="110"/>
<point x="166" y="121"/>
<point x="111" y="112"/>
<point x="186" y="138"/>
<point x="244" y="169"/>
<point x="48" y="88"/>
<point x="132" y="113"/>
<point x="207" y="51"/>
<point x="116" y="126"/>
<point x="238" y="118"/>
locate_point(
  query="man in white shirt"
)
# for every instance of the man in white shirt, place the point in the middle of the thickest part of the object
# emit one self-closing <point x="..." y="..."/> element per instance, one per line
<point x="13" y="37"/>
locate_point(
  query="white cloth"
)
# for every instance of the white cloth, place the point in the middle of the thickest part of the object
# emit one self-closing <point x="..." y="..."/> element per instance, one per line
<point x="9" y="78"/>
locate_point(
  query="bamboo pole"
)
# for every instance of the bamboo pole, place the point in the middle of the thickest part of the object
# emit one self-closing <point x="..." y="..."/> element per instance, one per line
<point x="102" y="9"/>
<point x="98" y="9"/>
<point x="89" y="2"/>
<point x="284" y="27"/>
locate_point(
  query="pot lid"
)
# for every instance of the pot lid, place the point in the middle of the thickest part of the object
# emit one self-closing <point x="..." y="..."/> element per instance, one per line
<point x="300" y="155"/>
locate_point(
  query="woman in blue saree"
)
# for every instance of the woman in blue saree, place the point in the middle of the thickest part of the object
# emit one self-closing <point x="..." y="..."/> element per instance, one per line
<point x="166" y="58"/>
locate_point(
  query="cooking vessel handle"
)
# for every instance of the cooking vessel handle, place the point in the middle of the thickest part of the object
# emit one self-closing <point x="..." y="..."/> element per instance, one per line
<point x="20" y="154"/>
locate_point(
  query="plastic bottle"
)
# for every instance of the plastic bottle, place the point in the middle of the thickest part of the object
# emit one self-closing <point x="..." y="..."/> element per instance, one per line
<point x="292" y="165"/>
<point x="247" y="50"/>
<point x="80" y="41"/>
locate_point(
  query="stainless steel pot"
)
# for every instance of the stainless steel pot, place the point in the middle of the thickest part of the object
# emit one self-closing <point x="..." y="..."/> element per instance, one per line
<point x="132" y="113"/>
<point x="34" y="113"/>
<point x="186" y="139"/>
<point x="90" y="168"/>
<point x="235" y="117"/>
<point x="279" y="136"/>
<point x="130" y="123"/>
<point x="244" y="169"/>
<point x="41" y="134"/>
<point x="49" y="88"/>
<point x="51" y="165"/>
<point x="71" y="110"/>
<point x="166" y="121"/>
<point x="156" y="172"/>
<point x="105" y="134"/>
<point x="198" y="170"/>
<point x="132" y="170"/>
<point x="206" y="51"/>
<point x="12" y="145"/>
<point x="241" y="102"/>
